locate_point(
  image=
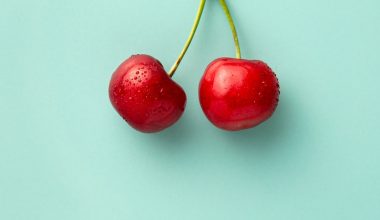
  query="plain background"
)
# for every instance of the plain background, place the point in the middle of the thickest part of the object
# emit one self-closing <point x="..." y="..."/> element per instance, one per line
<point x="66" y="154"/>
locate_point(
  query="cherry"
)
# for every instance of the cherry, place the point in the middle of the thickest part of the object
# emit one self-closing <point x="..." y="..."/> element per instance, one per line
<point x="143" y="93"/>
<point x="145" y="96"/>
<point x="237" y="94"/>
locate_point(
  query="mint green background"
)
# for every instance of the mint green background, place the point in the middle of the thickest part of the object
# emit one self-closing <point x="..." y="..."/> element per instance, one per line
<point x="66" y="154"/>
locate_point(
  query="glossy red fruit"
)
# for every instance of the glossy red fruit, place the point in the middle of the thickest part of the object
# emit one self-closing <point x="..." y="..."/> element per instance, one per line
<point x="237" y="94"/>
<point x="145" y="96"/>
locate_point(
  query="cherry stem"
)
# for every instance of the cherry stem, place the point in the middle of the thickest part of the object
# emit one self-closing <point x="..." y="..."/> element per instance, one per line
<point x="232" y="26"/>
<point x="188" y="42"/>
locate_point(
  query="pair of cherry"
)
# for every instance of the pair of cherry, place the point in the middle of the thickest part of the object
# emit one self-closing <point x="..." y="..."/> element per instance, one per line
<point x="234" y="93"/>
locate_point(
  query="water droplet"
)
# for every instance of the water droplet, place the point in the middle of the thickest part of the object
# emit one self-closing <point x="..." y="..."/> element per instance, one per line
<point x="130" y="97"/>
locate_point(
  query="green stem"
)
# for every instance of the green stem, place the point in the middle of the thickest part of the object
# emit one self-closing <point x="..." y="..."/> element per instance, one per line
<point x="232" y="26"/>
<point x="188" y="42"/>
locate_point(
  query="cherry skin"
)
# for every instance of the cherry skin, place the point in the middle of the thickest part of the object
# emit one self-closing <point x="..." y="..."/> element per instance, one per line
<point x="145" y="96"/>
<point x="238" y="94"/>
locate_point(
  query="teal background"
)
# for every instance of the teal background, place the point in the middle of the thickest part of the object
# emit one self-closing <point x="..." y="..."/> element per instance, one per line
<point x="66" y="154"/>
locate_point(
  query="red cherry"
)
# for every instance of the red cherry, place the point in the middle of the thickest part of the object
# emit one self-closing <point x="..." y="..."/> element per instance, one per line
<point x="145" y="96"/>
<point x="237" y="94"/>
